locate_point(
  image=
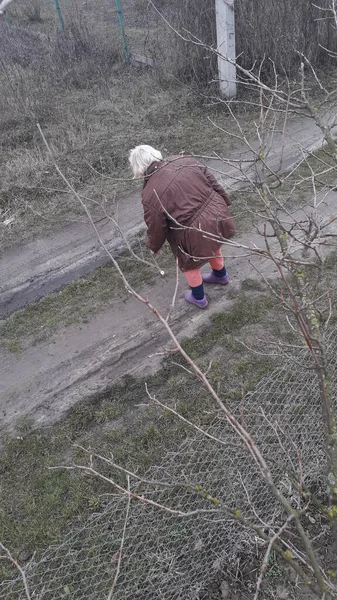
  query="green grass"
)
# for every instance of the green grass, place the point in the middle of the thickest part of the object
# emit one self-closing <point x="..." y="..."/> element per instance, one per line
<point x="331" y="262"/>
<point x="76" y="302"/>
<point x="38" y="505"/>
<point x="245" y="311"/>
<point x="251" y="285"/>
<point x="87" y="296"/>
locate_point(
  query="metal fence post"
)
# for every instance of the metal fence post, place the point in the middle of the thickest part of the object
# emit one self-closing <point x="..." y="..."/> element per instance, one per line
<point x="59" y="14"/>
<point x="121" y="25"/>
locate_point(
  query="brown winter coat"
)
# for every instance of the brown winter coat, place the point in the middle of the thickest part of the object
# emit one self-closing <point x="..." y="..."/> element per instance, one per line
<point x="179" y="197"/>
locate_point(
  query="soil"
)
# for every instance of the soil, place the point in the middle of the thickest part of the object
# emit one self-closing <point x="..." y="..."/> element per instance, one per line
<point x="44" y="381"/>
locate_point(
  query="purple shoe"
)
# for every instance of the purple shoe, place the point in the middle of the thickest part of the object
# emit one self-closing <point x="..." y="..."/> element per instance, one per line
<point x="211" y="278"/>
<point x="199" y="303"/>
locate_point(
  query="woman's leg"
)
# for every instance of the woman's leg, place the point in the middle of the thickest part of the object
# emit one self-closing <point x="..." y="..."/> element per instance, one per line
<point x="217" y="264"/>
<point x="194" y="280"/>
<point x="218" y="273"/>
<point x="196" y="295"/>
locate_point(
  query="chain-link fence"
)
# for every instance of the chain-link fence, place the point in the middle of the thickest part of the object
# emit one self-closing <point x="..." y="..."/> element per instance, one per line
<point x="168" y="557"/>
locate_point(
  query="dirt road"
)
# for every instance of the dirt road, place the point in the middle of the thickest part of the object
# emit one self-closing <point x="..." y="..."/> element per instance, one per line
<point x="44" y="381"/>
<point x="29" y="272"/>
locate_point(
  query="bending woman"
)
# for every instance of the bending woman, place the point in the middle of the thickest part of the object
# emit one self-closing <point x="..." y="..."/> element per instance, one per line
<point x="183" y="203"/>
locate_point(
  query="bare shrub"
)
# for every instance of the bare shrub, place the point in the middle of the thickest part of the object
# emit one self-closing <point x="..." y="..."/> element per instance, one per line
<point x="277" y="29"/>
<point x="194" y="63"/>
<point x="173" y="57"/>
<point x="81" y="55"/>
<point x="32" y="11"/>
<point x="79" y="52"/>
<point x="46" y="78"/>
<point x="21" y="46"/>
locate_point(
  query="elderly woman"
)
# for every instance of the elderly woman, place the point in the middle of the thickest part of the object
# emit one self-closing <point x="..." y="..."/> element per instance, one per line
<point x="183" y="202"/>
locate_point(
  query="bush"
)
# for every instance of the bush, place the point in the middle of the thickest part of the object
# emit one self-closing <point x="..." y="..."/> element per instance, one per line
<point x="32" y="11"/>
<point x="174" y="58"/>
<point x="279" y="29"/>
<point x="79" y="50"/>
<point x="265" y="29"/>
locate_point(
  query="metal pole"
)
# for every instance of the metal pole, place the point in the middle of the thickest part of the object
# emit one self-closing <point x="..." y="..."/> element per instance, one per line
<point x="121" y="25"/>
<point x="59" y="14"/>
<point x="9" y="16"/>
<point x="225" y="28"/>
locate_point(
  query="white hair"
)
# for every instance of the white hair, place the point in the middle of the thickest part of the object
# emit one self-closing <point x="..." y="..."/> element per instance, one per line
<point x="3" y="5"/>
<point x="141" y="157"/>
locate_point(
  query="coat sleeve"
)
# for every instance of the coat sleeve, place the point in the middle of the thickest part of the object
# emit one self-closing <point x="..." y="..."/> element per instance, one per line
<point x="217" y="187"/>
<point x="156" y="227"/>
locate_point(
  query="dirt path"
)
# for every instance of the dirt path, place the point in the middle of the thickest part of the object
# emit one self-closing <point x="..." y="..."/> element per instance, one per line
<point x="31" y="271"/>
<point x="44" y="381"/>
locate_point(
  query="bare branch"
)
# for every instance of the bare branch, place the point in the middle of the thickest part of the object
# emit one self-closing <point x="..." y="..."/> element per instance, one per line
<point x="19" y="568"/>
<point x="175" y="291"/>
<point x="264" y="565"/>
<point x="120" y="553"/>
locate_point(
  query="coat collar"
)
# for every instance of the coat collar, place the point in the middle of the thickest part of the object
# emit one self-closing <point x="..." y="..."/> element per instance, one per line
<point x="151" y="169"/>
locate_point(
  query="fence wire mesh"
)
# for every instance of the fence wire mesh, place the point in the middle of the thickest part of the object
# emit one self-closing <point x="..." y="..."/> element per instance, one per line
<point x="168" y="557"/>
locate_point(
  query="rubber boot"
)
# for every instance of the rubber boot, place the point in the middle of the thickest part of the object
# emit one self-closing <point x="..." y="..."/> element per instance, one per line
<point x="199" y="303"/>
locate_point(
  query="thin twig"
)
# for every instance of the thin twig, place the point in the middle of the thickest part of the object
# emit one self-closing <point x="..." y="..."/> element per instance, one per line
<point x="175" y="291"/>
<point x="120" y="553"/>
<point x="19" y="568"/>
<point x="267" y="554"/>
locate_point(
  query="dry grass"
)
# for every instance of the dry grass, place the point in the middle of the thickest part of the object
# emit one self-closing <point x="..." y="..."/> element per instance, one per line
<point x="77" y="302"/>
<point x="92" y="108"/>
<point x="92" y="130"/>
<point x="272" y="32"/>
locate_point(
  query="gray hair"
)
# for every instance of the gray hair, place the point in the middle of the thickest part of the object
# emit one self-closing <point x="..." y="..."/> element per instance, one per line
<point x="141" y="157"/>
